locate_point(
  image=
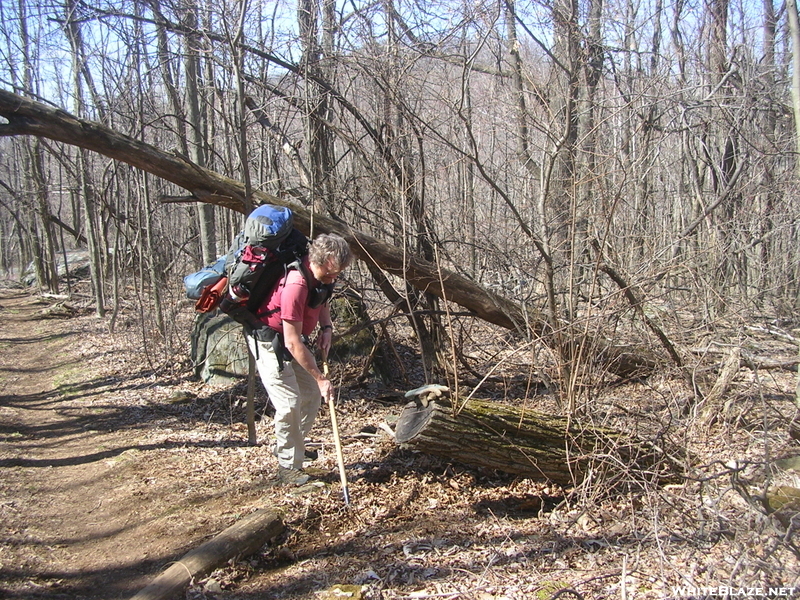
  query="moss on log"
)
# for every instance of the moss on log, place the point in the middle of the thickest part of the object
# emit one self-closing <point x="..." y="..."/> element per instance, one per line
<point x="524" y="442"/>
<point x="783" y="503"/>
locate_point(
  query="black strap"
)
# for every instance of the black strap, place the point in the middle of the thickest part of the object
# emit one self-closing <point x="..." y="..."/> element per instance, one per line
<point x="291" y="265"/>
<point x="317" y="295"/>
<point x="268" y="335"/>
<point x="298" y="264"/>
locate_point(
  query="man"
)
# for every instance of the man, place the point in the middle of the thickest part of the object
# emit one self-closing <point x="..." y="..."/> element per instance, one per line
<point x="286" y="364"/>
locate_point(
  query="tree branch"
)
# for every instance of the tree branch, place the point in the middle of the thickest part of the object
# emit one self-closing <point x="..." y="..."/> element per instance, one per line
<point x="26" y="117"/>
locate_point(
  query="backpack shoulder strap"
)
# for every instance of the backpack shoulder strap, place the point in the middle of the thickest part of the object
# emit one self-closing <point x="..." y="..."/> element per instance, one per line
<point x="317" y="294"/>
<point x="300" y="266"/>
<point x="277" y="309"/>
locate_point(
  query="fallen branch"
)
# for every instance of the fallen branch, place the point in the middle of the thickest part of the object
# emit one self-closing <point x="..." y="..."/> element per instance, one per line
<point x="637" y="302"/>
<point x="750" y="360"/>
<point x="27" y="117"/>
<point x="240" y="539"/>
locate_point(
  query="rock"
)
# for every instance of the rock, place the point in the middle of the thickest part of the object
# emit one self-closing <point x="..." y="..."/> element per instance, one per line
<point x="783" y="503"/>
<point x="341" y="592"/>
<point x="791" y="463"/>
<point x="219" y="352"/>
<point x="181" y="397"/>
<point x="77" y="261"/>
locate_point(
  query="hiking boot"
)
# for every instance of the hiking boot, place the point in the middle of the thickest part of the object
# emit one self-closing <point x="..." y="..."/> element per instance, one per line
<point x="287" y="476"/>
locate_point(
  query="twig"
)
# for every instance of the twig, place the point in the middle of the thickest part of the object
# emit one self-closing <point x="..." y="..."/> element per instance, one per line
<point x="636" y="304"/>
<point x="446" y="594"/>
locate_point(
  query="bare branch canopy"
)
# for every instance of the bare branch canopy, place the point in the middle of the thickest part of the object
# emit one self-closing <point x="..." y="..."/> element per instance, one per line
<point x="28" y="117"/>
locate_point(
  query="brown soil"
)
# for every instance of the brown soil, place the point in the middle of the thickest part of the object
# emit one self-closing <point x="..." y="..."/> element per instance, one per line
<point x="111" y="469"/>
<point x="91" y="503"/>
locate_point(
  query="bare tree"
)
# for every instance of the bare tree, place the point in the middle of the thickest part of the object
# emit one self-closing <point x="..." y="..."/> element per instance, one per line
<point x="794" y="30"/>
<point x="196" y="127"/>
<point x="41" y="234"/>
<point x="485" y="138"/>
<point x="73" y="30"/>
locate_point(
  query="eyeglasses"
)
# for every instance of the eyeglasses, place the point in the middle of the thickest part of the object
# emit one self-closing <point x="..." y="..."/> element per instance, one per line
<point x="330" y="272"/>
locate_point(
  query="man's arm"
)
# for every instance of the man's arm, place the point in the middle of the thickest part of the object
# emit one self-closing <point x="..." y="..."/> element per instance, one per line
<point x="293" y="341"/>
<point x="325" y="329"/>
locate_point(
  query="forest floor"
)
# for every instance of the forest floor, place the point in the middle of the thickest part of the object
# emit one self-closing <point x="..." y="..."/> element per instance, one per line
<point x="111" y="469"/>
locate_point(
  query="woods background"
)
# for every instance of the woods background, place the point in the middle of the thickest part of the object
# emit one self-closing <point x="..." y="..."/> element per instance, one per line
<point x="579" y="214"/>
<point x="607" y="166"/>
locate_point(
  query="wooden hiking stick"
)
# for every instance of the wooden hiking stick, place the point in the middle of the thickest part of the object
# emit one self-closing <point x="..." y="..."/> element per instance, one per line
<point x="336" y="439"/>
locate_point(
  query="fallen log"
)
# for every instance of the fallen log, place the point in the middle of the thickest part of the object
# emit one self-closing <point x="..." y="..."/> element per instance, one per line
<point x="240" y="539"/>
<point x="783" y="503"/>
<point x="528" y="443"/>
<point x="28" y="117"/>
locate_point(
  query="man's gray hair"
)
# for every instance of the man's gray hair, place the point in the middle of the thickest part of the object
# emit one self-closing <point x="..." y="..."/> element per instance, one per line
<point x="330" y="246"/>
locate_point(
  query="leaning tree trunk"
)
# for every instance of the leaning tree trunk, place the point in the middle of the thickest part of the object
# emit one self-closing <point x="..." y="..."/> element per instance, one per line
<point x="524" y="442"/>
<point x="27" y="117"/>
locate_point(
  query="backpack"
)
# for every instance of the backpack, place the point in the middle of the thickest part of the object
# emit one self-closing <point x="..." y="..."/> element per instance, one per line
<point x="257" y="259"/>
<point x="254" y="262"/>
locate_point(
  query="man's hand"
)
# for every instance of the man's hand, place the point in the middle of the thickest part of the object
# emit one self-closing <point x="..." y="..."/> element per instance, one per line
<point x="325" y="389"/>
<point x="301" y="353"/>
<point x="324" y="340"/>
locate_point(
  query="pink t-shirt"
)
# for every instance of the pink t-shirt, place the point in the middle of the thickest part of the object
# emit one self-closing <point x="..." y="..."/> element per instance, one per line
<point x="288" y="301"/>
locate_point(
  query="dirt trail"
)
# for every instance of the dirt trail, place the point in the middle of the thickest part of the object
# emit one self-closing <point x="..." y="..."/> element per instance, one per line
<point x="112" y="468"/>
<point x="77" y="517"/>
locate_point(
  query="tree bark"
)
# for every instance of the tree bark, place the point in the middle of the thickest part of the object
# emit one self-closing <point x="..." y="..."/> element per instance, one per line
<point x="524" y="442"/>
<point x="794" y="33"/>
<point x="205" y="212"/>
<point x="35" y="170"/>
<point x="241" y="134"/>
<point x="241" y="539"/>
<point x="73" y="28"/>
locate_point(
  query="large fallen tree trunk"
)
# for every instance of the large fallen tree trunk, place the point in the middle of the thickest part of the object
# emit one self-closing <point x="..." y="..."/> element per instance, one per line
<point x="524" y="442"/>
<point x="27" y="117"/>
<point x="241" y="539"/>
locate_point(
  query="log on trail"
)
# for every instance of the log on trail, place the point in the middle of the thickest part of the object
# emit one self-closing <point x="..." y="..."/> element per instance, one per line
<point x="240" y="539"/>
<point x="527" y="443"/>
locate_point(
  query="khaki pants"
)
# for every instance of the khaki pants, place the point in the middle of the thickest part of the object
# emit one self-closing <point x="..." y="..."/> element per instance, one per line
<point x="295" y="395"/>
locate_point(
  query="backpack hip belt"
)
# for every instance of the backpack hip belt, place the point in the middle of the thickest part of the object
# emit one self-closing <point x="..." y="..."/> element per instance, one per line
<point x="269" y="336"/>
